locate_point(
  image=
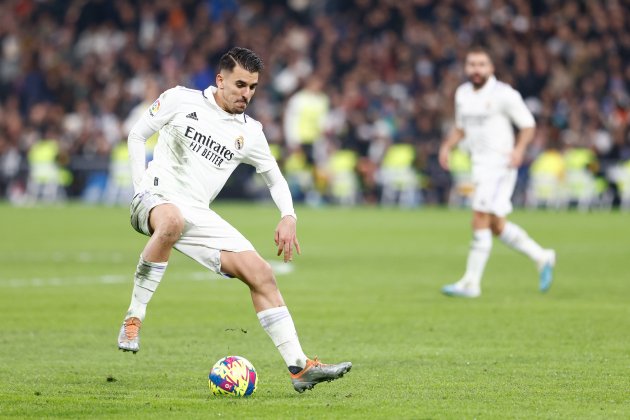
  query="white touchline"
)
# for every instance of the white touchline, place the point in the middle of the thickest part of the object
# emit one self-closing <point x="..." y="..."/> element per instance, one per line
<point x="278" y="268"/>
<point x="59" y="257"/>
<point x="84" y="280"/>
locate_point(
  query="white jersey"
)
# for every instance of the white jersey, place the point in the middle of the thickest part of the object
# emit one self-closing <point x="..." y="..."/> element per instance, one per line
<point x="486" y="117"/>
<point x="199" y="146"/>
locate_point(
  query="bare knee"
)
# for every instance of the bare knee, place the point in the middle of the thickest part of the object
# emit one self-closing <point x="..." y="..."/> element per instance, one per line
<point x="251" y="269"/>
<point x="168" y="225"/>
<point x="496" y="225"/>
<point x="170" y="230"/>
<point x="480" y="220"/>
<point x="260" y="276"/>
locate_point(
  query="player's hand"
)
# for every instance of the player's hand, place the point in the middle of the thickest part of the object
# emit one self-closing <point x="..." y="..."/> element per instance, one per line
<point x="286" y="237"/>
<point x="443" y="157"/>
<point x="516" y="158"/>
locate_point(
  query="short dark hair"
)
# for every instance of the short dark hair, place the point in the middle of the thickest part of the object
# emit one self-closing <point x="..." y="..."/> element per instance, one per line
<point x="243" y="57"/>
<point x="480" y="49"/>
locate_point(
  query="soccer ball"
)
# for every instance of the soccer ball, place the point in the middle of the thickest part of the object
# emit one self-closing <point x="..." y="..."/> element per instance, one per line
<point x="233" y="375"/>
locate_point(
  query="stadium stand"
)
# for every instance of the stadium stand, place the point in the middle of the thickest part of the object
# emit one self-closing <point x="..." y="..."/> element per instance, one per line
<point x="81" y="68"/>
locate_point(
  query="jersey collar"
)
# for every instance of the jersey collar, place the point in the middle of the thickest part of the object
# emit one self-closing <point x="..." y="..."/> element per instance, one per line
<point x="209" y="95"/>
<point x="492" y="80"/>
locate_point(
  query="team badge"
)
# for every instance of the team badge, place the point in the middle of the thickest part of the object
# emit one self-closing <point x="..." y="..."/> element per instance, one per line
<point x="155" y="107"/>
<point x="239" y="142"/>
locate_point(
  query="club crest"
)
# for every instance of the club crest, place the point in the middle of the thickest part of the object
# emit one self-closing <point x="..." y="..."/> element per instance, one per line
<point x="239" y="142"/>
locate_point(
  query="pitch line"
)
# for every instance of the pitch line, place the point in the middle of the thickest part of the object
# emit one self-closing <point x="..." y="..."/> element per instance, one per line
<point x="278" y="268"/>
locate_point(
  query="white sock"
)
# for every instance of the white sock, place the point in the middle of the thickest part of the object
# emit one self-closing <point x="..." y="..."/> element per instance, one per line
<point x="279" y="326"/>
<point x="516" y="238"/>
<point x="146" y="280"/>
<point x="480" y="248"/>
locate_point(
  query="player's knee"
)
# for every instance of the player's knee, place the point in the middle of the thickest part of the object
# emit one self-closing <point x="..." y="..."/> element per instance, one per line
<point x="170" y="229"/>
<point x="261" y="276"/>
<point x="481" y="220"/>
<point x="496" y="225"/>
<point x="264" y="273"/>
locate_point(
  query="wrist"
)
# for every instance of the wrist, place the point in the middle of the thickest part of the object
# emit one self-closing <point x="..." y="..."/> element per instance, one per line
<point x="290" y="215"/>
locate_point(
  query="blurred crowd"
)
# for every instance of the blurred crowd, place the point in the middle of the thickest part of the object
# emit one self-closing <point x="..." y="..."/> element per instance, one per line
<point x="355" y="97"/>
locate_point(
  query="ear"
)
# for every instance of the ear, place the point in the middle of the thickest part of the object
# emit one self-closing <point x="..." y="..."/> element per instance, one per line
<point x="219" y="81"/>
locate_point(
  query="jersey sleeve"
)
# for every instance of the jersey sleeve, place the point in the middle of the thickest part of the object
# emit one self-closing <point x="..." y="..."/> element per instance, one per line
<point x="517" y="111"/>
<point x="152" y="119"/>
<point x="162" y="109"/>
<point x="259" y="156"/>
<point x="280" y="192"/>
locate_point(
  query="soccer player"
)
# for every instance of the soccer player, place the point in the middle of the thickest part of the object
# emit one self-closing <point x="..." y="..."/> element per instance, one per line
<point x="485" y="110"/>
<point x="203" y="137"/>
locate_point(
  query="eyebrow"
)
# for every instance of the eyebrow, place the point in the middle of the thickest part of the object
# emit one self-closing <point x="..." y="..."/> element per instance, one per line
<point x="243" y="82"/>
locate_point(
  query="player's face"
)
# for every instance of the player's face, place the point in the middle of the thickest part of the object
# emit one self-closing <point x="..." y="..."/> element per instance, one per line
<point x="235" y="89"/>
<point x="478" y="69"/>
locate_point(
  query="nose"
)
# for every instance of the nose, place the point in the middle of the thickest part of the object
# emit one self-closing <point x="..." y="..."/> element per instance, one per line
<point x="246" y="92"/>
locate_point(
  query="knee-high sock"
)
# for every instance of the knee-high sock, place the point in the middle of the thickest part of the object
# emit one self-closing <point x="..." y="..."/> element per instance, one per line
<point x="278" y="324"/>
<point x="146" y="280"/>
<point x="516" y="238"/>
<point x="478" y="254"/>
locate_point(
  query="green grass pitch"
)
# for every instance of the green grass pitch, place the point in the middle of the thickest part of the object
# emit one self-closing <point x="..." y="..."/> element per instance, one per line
<point x="366" y="289"/>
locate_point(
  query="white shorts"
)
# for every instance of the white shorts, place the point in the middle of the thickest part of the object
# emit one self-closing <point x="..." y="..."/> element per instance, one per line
<point x="205" y="233"/>
<point x="493" y="190"/>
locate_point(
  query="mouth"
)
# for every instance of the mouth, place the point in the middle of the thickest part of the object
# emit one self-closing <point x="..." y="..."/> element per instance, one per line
<point x="477" y="79"/>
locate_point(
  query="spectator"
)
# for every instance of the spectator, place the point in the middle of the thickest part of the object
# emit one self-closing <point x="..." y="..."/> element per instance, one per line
<point x="389" y="68"/>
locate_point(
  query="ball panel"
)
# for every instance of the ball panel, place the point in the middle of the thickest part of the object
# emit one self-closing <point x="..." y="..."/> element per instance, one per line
<point x="234" y="376"/>
<point x="252" y="382"/>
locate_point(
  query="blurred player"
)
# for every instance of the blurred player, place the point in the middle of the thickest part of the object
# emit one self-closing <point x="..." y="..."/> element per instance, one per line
<point x="485" y="110"/>
<point x="203" y="137"/>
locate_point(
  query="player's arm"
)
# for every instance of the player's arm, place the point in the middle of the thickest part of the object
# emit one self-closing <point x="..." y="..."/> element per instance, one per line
<point x="137" y="154"/>
<point x="286" y="232"/>
<point x="455" y="136"/>
<point x="523" y="139"/>
<point x="154" y="118"/>
<point x="260" y="157"/>
<point x="524" y="120"/>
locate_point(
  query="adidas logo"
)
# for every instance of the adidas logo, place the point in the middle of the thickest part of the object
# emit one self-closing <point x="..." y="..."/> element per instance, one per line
<point x="192" y="115"/>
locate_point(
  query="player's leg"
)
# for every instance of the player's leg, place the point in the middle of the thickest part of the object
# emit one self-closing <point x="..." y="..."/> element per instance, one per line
<point x="165" y="225"/>
<point x="517" y="238"/>
<point x="272" y="312"/>
<point x="478" y="253"/>
<point x="480" y="248"/>
<point x="514" y="236"/>
<point x="487" y="182"/>
<point x="276" y="320"/>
